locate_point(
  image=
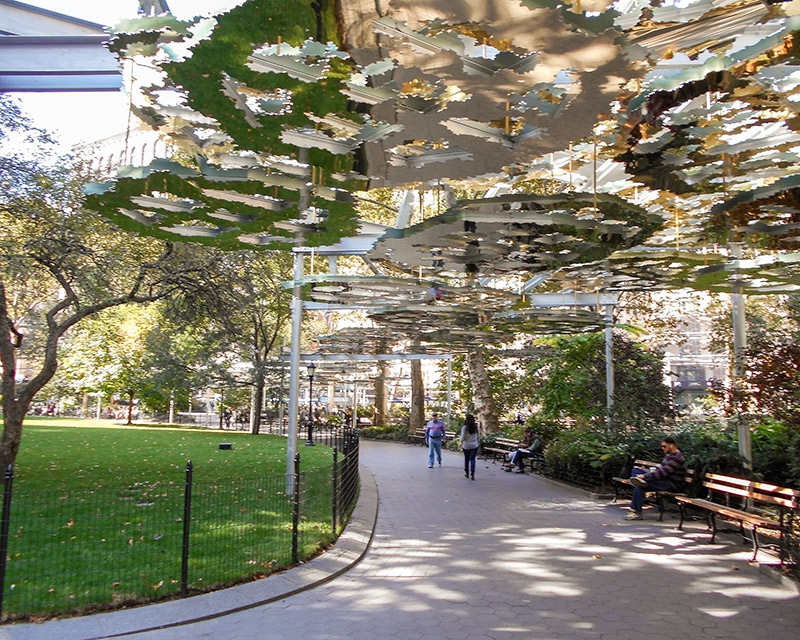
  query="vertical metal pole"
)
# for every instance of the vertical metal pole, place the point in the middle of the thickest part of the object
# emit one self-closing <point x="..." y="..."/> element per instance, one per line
<point x="335" y="489"/>
<point x="355" y="403"/>
<point x="281" y="399"/>
<point x="295" y="508"/>
<point x="294" y="370"/>
<point x="449" y="390"/>
<point x="4" y="530"/>
<point x="739" y="352"/>
<point x="609" y="363"/>
<point x="187" y="517"/>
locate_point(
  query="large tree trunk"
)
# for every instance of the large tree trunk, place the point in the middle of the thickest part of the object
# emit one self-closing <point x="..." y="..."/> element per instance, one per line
<point x="485" y="408"/>
<point x="416" y="418"/>
<point x="381" y="399"/>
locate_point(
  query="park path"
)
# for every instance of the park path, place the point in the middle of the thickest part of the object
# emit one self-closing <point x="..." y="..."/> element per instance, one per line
<point x="514" y="556"/>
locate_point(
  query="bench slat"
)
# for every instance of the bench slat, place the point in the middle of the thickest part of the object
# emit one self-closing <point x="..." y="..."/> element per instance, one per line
<point x="736" y="514"/>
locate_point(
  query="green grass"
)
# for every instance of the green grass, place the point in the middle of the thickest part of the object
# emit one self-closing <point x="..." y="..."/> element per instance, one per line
<point x="97" y="513"/>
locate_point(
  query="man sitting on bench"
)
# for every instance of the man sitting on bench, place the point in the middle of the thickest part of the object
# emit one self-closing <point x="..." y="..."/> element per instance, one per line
<point x="531" y="443"/>
<point x="668" y="476"/>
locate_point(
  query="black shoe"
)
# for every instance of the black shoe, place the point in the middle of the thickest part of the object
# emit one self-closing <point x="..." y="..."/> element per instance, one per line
<point x="466" y="475"/>
<point x="473" y="477"/>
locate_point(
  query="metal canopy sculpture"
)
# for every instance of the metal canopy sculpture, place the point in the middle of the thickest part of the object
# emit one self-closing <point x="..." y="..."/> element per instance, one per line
<point x="676" y="109"/>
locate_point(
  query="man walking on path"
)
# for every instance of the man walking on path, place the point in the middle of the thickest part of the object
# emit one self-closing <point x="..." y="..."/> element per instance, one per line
<point x="434" y="437"/>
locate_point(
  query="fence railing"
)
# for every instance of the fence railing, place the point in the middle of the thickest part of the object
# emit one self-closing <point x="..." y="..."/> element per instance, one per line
<point x="102" y="548"/>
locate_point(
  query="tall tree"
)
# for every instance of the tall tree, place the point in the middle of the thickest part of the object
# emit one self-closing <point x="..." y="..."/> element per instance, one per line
<point x="570" y="382"/>
<point x="250" y="308"/>
<point x="485" y="407"/>
<point x="60" y="264"/>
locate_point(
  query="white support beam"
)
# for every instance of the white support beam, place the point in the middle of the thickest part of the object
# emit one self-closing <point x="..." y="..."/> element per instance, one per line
<point x="406" y="209"/>
<point x="573" y="299"/>
<point x="351" y="357"/>
<point x="57" y="63"/>
<point x="294" y="372"/>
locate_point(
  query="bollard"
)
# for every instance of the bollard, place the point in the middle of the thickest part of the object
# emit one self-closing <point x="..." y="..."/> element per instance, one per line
<point x="187" y="516"/>
<point x="335" y="492"/>
<point x="5" y="525"/>
<point x="296" y="508"/>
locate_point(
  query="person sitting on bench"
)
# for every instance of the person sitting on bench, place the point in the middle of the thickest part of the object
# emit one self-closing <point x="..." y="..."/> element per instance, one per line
<point x="531" y="443"/>
<point x="668" y="476"/>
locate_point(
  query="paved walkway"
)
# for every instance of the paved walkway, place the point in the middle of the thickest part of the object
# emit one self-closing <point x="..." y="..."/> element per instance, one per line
<point x="506" y="556"/>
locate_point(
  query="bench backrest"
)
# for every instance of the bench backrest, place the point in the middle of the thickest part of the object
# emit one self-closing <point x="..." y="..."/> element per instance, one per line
<point x="753" y="490"/>
<point x="507" y="442"/>
<point x="691" y="474"/>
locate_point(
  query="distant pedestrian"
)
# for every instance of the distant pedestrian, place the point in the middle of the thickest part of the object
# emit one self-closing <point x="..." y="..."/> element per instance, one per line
<point x="434" y="437"/>
<point x="469" y="445"/>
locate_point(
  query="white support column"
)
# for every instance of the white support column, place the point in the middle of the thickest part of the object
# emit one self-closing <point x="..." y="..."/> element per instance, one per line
<point x="609" y="362"/>
<point x="294" y="371"/>
<point x="449" y="391"/>
<point x="406" y="209"/>
<point x="739" y="349"/>
<point x="355" y="404"/>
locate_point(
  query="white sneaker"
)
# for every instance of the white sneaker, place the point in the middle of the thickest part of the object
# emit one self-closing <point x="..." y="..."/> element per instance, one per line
<point x="634" y="515"/>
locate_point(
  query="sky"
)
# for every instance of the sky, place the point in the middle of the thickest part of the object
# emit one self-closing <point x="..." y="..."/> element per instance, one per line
<point x="76" y="117"/>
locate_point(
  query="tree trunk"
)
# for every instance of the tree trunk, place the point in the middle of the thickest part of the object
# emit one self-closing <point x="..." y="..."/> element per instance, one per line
<point x="256" y="402"/>
<point x="130" y="408"/>
<point x="416" y="418"/>
<point x="381" y="399"/>
<point x="485" y="408"/>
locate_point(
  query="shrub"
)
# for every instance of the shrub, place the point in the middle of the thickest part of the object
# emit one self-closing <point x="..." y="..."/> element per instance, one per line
<point x="585" y="455"/>
<point x="390" y="432"/>
<point x="775" y="452"/>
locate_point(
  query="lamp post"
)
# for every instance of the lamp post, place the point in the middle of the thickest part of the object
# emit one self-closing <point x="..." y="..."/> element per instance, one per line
<point x="310" y="439"/>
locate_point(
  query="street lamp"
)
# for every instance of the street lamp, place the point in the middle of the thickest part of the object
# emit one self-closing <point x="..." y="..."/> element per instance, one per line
<point x="310" y="439"/>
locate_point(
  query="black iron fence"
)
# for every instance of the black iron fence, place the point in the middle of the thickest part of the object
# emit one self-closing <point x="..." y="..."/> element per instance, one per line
<point x="101" y="548"/>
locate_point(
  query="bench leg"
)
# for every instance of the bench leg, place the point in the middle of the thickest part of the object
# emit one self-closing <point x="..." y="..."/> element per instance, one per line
<point x="742" y="532"/>
<point x="681" y="508"/>
<point x="712" y="521"/>
<point x="755" y="543"/>
<point x="660" y="505"/>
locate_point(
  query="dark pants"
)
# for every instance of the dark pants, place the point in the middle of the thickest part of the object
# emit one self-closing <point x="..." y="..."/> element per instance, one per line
<point x="654" y="484"/>
<point x="469" y="460"/>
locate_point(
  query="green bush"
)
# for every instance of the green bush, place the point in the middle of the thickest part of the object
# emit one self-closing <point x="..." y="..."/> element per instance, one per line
<point x="776" y="452"/>
<point x="390" y="432"/>
<point x="583" y="452"/>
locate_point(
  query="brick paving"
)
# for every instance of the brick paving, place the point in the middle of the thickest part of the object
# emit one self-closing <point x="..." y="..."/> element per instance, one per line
<point x="505" y="556"/>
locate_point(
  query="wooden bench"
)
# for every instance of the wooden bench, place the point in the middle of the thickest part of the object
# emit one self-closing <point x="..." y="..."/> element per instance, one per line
<point x="646" y="465"/>
<point x="419" y="436"/>
<point x="765" y="507"/>
<point x="502" y="448"/>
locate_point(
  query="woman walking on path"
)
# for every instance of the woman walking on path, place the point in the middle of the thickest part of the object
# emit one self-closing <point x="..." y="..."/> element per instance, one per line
<point x="469" y="444"/>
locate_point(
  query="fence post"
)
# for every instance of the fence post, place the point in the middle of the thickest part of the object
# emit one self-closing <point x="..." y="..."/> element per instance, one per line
<point x="296" y="508"/>
<point x="4" y="527"/>
<point x="187" y="516"/>
<point x="334" y="483"/>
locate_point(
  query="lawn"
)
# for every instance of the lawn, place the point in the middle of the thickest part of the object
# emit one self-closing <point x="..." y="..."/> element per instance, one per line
<point x="98" y="510"/>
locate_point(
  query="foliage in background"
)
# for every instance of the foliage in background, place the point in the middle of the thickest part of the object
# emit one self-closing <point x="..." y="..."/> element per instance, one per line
<point x="509" y="384"/>
<point x="571" y="382"/>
